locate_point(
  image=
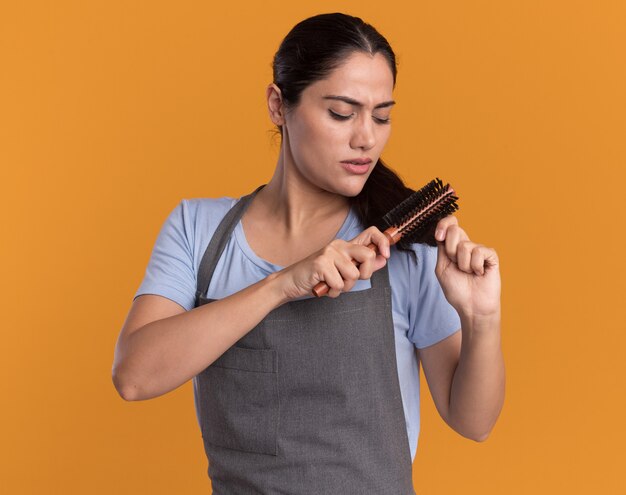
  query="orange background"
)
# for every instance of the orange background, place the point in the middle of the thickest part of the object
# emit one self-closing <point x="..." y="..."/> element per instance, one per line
<point x="111" y="112"/>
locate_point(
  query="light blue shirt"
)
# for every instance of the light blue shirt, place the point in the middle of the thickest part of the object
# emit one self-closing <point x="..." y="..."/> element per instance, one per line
<point x="421" y="314"/>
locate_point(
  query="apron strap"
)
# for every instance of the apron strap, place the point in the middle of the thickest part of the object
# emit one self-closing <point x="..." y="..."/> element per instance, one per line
<point x="218" y="243"/>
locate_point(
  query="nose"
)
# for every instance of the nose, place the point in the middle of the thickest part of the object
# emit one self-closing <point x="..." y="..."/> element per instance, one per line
<point x="363" y="135"/>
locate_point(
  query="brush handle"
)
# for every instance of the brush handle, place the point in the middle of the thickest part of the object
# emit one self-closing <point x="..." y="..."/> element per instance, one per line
<point x="321" y="289"/>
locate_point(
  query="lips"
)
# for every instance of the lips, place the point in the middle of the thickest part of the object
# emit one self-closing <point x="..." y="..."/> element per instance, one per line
<point x="357" y="166"/>
<point x="358" y="161"/>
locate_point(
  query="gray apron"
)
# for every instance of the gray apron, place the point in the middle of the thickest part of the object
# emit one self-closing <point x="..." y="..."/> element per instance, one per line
<point x="307" y="402"/>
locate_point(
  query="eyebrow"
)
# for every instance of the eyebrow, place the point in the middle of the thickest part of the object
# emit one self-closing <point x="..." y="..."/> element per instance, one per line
<point x="356" y="103"/>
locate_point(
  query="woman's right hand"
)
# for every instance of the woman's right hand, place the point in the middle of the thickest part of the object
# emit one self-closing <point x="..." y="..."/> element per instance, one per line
<point x="161" y="346"/>
<point x="333" y="265"/>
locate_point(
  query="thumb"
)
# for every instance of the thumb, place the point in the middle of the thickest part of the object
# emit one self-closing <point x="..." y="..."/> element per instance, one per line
<point x="442" y="258"/>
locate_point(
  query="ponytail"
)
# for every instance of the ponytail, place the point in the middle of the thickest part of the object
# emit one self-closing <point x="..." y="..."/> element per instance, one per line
<point x="383" y="191"/>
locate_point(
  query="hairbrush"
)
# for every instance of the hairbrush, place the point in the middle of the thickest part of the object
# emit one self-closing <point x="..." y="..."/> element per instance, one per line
<point x="414" y="219"/>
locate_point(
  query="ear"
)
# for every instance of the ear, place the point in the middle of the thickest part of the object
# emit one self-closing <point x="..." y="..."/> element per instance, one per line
<point x="275" y="104"/>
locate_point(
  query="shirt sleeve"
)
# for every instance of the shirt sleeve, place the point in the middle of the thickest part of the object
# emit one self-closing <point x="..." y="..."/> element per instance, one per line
<point x="170" y="272"/>
<point x="431" y="317"/>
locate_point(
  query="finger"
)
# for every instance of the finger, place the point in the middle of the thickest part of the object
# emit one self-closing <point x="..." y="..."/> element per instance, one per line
<point x="332" y="292"/>
<point x="442" y="258"/>
<point x="348" y="272"/>
<point x="443" y="225"/>
<point x="379" y="262"/>
<point x="373" y="235"/>
<point x="332" y="277"/>
<point x="465" y="254"/>
<point x="454" y="235"/>
<point x="489" y="259"/>
<point x="478" y="260"/>
<point x="365" y="258"/>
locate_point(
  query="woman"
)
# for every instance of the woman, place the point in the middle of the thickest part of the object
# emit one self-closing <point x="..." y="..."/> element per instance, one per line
<point x="302" y="395"/>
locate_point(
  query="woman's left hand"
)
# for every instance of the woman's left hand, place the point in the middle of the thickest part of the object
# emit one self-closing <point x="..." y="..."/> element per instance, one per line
<point x="467" y="272"/>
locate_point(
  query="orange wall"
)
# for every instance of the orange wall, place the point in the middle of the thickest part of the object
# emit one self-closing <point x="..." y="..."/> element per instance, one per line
<point x="111" y="112"/>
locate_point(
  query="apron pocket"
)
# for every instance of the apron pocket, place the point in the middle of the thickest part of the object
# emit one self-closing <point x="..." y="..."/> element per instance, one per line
<point x="238" y="400"/>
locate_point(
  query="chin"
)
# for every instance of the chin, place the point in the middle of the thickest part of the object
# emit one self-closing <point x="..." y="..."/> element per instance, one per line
<point x="352" y="188"/>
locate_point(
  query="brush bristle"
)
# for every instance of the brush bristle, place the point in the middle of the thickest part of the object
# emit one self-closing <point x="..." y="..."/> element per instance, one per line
<point x="417" y="215"/>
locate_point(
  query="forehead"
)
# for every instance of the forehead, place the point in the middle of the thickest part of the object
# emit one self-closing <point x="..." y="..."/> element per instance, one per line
<point x="361" y="76"/>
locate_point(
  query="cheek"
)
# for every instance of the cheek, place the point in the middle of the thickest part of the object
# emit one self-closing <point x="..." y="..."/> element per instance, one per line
<point x="383" y="137"/>
<point x="319" y="138"/>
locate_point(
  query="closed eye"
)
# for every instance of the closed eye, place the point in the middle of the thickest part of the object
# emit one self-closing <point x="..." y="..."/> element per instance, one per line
<point x="339" y="116"/>
<point x="383" y="121"/>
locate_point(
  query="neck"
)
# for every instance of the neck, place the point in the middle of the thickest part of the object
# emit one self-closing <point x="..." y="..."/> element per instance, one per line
<point x="296" y="203"/>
